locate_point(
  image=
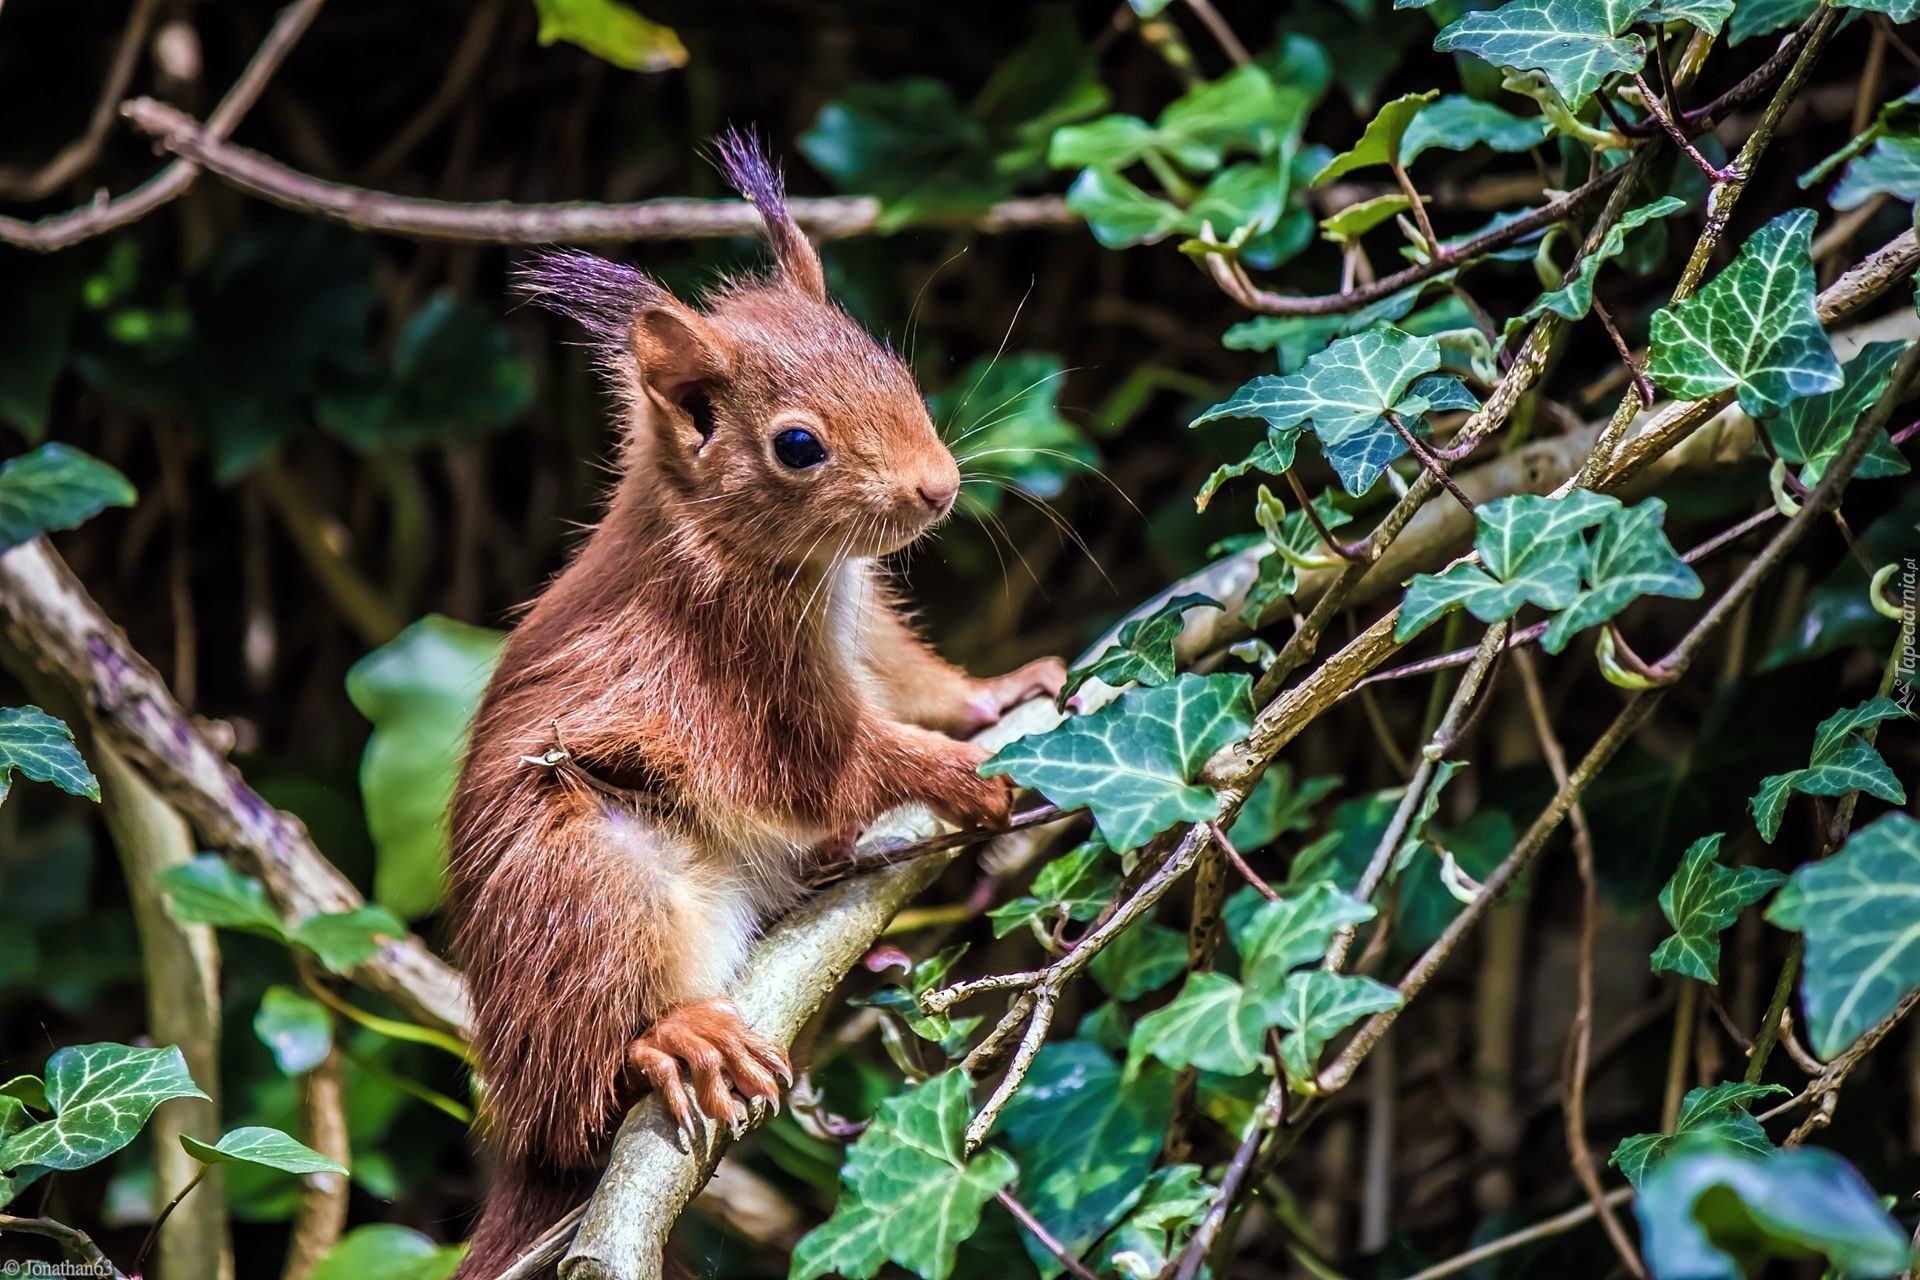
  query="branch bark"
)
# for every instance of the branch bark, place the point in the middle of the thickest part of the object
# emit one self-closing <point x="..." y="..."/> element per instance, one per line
<point x="571" y="222"/>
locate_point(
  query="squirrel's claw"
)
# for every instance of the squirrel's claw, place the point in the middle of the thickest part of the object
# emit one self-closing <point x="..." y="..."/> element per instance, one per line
<point x="699" y="1056"/>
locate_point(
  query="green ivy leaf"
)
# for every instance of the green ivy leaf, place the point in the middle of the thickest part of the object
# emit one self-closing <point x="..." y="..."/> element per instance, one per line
<point x="1278" y="805"/>
<point x="208" y="890"/>
<point x="1531" y="552"/>
<point x="41" y="747"/>
<point x="1272" y="455"/>
<point x="1356" y="220"/>
<point x="1175" y="1199"/>
<point x="1144" y="958"/>
<point x="1279" y="937"/>
<point x="1708" y="15"/>
<point x="1707" y="1213"/>
<point x="1120" y="214"/>
<point x="298" y="1030"/>
<point x="264" y="1147"/>
<point x="387" y="1251"/>
<point x="1810" y="432"/>
<point x="1701" y="901"/>
<point x="1717" y="1112"/>
<point x="1842" y="761"/>
<point x="1572" y="42"/>
<point x="1898" y="10"/>
<point x="1890" y="167"/>
<point x="344" y="939"/>
<point x="911" y="1195"/>
<point x="1086" y="1137"/>
<point x="13" y="1118"/>
<point x="420" y="691"/>
<point x="1856" y="914"/>
<point x="55" y="487"/>
<point x="1574" y="298"/>
<point x="1214" y="1024"/>
<point x="612" y="32"/>
<point x="1293" y="541"/>
<point x="1133" y="762"/>
<point x="1143" y="652"/>
<point x="1764" y="17"/>
<point x="1458" y="123"/>
<point x="1752" y="329"/>
<point x="1380" y="143"/>
<point x="456" y="372"/>
<point x="1074" y="886"/>
<point x="1316" y="1006"/>
<point x="101" y="1096"/>
<point x="1630" y="557"/>
<point x="1343" y="394"/>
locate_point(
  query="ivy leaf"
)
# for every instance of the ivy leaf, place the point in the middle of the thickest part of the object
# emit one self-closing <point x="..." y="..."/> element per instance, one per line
<point x="419" y="691"/>
<point x="1890" y="167"/>
<point x="1344" y="393"/>
<point x="1630" y="557"/>
<point x="1898" y="10"/>
<point x="911" y="1195"/>
<point x="1717" y="1112"/>
<point x="1118" y="213"/>
<point x="1175" y="1199"/>
<point x="1701" y="901"/>
<point x="1457" y="123"/>
<point x="1380" y="143"/>
<point x="1707" y="1213"/>
<point x="1356" y="220"/>
<point x="1278" y="806"/>
<point x="1842" y="761"/>
<point x="1272" y="455"/>
<point x="55" y="487"/>
<point x="41" y="747"/>
<point x="208" y="890"/>
<point x="1574" y="298"/>
<point x="1279" y="937"/>
<point x="1708" y="15"/>
<point x="1086" y="1137"/>
<point x="1316" y="1006"/>
<point x="1214" y="1024"/>
<point x="1532" y="553"/>
<point x="1074" y="886"/>
<point x="612" y="32"/>
<point x="101" y="1096"/>
<point x="1142" y="959"/>
<point x="13" y="1118"/>
<point x="1752" y="329"/>
<point x="1764" y="17"/>
<point x="388" y="1251"/>
<point x="1143" y="651"/>
<point x="1856" y="912"/>
<point x="262" y="1146"/>
<point x="298" y="1030"/>
<point x="344" y="939"/>
<point x="456" y="373"/>
<point x="1810" y="432"/>
<point x="1571" y="42"/>
<point x="1294" y="542"/>
<point x="1133" y="762"/>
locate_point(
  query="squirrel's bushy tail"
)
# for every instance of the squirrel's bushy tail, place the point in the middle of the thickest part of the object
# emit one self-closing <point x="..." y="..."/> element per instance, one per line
<point x="523" y="1201"/>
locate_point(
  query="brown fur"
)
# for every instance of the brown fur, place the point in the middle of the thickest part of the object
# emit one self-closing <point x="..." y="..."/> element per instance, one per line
<point x="723" y="646"/>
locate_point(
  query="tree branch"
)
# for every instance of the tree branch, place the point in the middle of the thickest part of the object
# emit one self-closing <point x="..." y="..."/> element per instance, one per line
<point x="572" y="222"/>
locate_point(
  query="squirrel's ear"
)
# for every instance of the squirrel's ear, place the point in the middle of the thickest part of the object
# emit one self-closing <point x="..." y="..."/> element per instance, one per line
<point x="753" y="176"/>
<point x="678" y="350"/>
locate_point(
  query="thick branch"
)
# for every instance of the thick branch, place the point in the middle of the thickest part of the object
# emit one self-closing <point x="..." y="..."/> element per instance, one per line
<point x="573" y="222"/>
<point x="47" y="617"/>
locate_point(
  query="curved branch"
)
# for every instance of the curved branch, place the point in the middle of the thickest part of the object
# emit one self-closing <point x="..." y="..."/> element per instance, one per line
<point x="571" y="222"/>
<point x="73" y="159"/>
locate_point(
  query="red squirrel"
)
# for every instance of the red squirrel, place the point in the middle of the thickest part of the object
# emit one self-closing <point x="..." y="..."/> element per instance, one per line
<point x="718" y="687"/>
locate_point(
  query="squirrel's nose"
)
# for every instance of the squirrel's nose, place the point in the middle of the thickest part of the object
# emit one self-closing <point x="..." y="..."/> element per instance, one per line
<point x="938" y="494"/>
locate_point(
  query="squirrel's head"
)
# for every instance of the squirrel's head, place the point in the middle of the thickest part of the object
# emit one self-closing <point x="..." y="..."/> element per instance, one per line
<point x="766" y="417"/>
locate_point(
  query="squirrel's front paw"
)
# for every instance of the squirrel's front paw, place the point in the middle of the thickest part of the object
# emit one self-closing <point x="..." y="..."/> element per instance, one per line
<point x="989" y="699"/>
<point x="966" y="800"/>
<point x="699" y="1055"/>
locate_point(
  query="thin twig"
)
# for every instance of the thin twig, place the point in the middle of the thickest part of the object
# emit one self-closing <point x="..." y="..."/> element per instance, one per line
<point x="1266" y="1118"/>
<point x="1047" y="1239"/>
<point x="1247" y="873"/>
<point x="77" y="156"/>
<point x="1680" y="139"/>
<point x="63" y="230"/>
<point x="1545" y="1229"/>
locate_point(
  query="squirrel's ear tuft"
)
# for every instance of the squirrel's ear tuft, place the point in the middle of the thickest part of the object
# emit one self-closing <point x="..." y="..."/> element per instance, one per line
<point x="749" y="171"/>
<point x="602" y="297"/>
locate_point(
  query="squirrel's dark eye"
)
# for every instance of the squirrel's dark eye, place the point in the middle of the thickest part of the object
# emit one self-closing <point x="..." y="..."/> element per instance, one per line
<point x="798" y="449"/>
